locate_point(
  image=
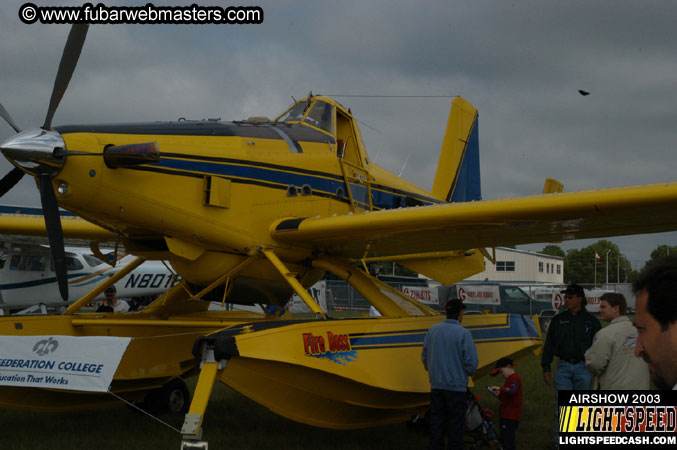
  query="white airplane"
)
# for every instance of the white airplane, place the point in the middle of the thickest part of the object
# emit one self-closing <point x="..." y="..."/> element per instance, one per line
<point x="27" y="276"/>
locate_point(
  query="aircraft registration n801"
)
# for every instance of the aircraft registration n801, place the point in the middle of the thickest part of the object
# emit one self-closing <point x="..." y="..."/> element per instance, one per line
<point x="27" y="276"/>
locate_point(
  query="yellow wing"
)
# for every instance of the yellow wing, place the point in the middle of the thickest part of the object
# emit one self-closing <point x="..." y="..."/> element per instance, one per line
<point x="460" y="226"/>
<point x="16" y="221"/>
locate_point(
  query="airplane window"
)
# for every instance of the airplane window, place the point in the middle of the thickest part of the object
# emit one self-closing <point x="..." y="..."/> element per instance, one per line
<point x="73" y="264"/>
<point x="111" y="257"/>
<point x="91" y="260"/>
<point x="296" y="113"/>
<point x="33" y="263"/>
<point x="322" y="116"/>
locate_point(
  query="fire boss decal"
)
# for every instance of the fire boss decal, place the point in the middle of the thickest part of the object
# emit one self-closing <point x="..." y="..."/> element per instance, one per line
<point x="335" y="347"/>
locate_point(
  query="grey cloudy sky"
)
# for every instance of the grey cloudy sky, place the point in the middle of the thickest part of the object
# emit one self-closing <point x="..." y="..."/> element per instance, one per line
<point x="521" y="63"/>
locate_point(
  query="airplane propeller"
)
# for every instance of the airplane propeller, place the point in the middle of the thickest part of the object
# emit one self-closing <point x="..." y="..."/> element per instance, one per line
<point x="5" y="115"/>
<point x="41" y="153"/>
<point x="16" y="174"/>
<point x="69" y="60"/>
<point x="9" y="180"/>
<point x="50" y="210"/>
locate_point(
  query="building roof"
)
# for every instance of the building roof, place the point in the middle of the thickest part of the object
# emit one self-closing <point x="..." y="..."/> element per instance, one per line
<point x="529" y="252"/>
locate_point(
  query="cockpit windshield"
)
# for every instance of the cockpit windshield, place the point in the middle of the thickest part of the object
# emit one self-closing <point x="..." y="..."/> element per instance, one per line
<point x="296" y="113"/>
<point x="321" y="115"/>
<point x="92" y="260"/>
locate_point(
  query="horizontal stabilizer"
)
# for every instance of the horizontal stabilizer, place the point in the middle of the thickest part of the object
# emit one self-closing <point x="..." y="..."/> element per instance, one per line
<point x="450" y="269"/>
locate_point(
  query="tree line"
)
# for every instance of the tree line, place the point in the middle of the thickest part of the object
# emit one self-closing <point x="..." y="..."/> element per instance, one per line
<point x="580" y="266"/>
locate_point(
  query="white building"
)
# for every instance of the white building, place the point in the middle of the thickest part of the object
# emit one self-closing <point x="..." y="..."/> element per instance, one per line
<point x="522" y="267"/>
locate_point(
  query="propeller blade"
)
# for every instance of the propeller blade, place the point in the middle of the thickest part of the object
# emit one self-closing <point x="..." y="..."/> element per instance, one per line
<point x="5" y="115"/>
<point x="50" y="208"/>
<point x="69" y="60"/>
<point x="9" y="180"/>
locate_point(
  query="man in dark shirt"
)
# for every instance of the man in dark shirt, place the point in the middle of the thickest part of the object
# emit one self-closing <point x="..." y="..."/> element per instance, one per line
<point x="569" y="336"/>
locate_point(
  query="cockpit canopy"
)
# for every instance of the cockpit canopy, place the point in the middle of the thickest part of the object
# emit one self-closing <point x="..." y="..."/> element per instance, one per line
<point x="317" y="113"/>
<point x="331" y="118"/>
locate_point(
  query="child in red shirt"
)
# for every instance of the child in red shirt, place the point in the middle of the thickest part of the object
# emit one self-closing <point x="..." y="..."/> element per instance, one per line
<point x="510" y="395"/>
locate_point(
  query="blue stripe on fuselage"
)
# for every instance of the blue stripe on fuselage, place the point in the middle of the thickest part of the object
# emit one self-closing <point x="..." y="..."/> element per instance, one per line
<point x="515" y="327"/>
<point x="388" y="340"/>
<point x="33" y="283"/>
<point x="383" y="197"/>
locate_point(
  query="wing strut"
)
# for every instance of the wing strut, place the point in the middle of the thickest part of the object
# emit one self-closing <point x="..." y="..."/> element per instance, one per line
<point x="102" y="287"/>
<point x="224" y="278"/>
<point x="388" y="300"/>
<point x="294" y="283"/>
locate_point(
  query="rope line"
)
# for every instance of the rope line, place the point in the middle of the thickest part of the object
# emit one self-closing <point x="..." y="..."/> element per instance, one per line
<point x="389" y="96"/>
<point x="145" y="412"/>
<point x="173" y="335"/>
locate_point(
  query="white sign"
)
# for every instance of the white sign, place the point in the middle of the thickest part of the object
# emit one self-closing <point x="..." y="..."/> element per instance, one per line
<point x="422" y="294"/>
<point x="60" y="362"/>
<point x="594" y="299"/>
<point x="592" y="296"/>
<point x="479" y="294"/>
<point x="318" y="291"/>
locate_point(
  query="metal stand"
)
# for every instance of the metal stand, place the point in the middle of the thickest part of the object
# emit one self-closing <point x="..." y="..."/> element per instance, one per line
<point x="192" y="425"/>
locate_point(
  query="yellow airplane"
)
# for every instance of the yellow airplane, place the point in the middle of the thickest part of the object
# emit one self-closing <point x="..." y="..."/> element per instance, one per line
<point x="252" y="211"/>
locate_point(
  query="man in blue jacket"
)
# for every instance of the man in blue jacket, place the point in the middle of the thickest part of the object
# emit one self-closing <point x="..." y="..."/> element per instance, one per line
<point x="449" y="355"/>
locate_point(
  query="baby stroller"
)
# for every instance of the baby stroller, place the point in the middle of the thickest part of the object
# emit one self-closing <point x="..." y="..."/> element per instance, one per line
<point x="479" y="430"/>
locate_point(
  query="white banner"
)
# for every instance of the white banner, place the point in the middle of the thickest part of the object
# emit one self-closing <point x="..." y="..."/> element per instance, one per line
<point x="479" y="294"/>
<point x="593" y="296"/>
<point x="60" y="362"/>
<point x="594" y="299"/>
<point x="422" y="294"/>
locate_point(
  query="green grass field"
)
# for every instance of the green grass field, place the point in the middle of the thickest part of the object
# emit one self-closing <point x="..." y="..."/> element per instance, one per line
<point x="234" y="422"/>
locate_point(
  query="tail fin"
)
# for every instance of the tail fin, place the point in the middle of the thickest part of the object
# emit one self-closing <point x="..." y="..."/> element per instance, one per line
<point x="458" y="170"/>
<point x="552" y="186"/>
<point x="457" y="180"/>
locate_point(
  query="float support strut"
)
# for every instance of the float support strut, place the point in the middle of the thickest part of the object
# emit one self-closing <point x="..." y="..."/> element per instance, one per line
<point x="102" y="287"/>
<point x="192" y="425"/>
<point x="294" y="283"/>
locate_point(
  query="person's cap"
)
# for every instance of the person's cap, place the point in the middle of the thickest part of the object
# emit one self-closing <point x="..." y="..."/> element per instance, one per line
<point x="501" y="363"/>
<point x="454" y="306"/>
<point x="574" y="289"/>
<point x="110" y="289"/>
